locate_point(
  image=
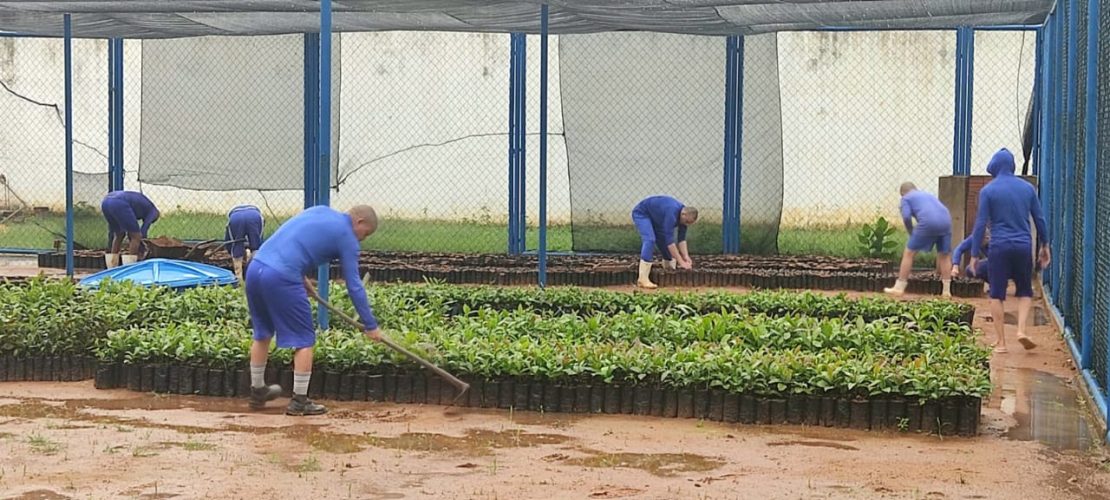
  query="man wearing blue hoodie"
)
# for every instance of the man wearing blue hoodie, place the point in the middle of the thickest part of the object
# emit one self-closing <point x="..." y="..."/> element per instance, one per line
<point x="656" y="219"/>
<point x="980" y="270"/>
<point x="934" y="229"/>
<point x="1007" y="204"/>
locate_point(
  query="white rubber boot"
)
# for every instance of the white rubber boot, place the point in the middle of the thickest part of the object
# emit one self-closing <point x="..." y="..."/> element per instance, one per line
<point x="899" y="288"/>
<point x="645" y="276"/>
<point x="129" y="259"/>
<point x="670" y="265"/>
<point x="947" y="293"/>
<point x="111" y="260"/>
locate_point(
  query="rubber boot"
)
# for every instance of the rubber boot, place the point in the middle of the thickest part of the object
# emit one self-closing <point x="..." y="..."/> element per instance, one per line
<point x="670" y="265"/>
<point x="260" y="395"/>
<point x="645" y="276"/>
<point x="947" y="293"/>
<point x="899" y="288"/>
<point x="300" y="405"/>
<point x="129" y="259"/>
<point x="111" y="260"/>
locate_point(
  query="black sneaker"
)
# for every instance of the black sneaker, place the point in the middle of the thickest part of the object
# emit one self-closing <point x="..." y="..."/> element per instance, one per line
<point x="260" y="395"/>
<point x="301" y="405"/>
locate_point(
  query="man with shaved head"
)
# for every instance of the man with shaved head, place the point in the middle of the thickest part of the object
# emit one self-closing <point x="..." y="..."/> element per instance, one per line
<point x="277" y="293"/>
<point x="934" y="229"/>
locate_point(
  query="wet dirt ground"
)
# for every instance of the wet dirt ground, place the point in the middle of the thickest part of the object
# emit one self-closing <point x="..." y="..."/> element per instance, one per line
<point x="68" y="440"/>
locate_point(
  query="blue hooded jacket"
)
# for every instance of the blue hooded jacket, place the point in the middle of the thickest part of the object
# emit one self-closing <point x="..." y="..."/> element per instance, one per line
<point x="1006" y="204"/>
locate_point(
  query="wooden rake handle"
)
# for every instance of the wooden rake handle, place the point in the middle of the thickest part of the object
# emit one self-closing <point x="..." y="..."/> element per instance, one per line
<point x="459" y="384"/>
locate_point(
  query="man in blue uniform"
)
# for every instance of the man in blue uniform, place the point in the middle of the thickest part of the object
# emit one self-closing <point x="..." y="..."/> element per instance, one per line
<point x="277" y="293"/>
<point x="980" y="270"/>
<point x="244" y="222"/>
<point x="124" y="210"/>
<point x="934" y="230"/>
<point x="1006" y="205"/>
<point x="656" y="219"/>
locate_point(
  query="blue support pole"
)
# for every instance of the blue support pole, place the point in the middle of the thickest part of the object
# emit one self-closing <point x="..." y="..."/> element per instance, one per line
<point x="517" y="143"/>
<point x="1038" y="102"/>
<point x="311" y="102"/>
<point x="323" y="142"/>
<point x="734" y="133"/>
<point x="1090" y="185"/>
<point x="543" y="147"/>
<point x="118" y="112"/>
<point x="68" y="30"/>
<point x="969" y="98"/>
<point x="522" y="146"/>
<point x="1048" y="129"/>
<point x="1070" y="155"/>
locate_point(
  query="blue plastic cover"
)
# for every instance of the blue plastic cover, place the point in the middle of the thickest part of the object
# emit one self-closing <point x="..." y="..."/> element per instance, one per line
<point x="171" y="273"/>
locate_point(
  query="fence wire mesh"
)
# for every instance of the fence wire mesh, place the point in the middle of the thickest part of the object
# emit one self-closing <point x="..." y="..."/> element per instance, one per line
<point x="1101" y="326"/>
<point x="1074" y="291"/>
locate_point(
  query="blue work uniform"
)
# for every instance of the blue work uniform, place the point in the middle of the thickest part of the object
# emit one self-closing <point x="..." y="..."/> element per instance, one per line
<point x="656" y="219"/>
<point x="124" y="209"/>
<point x="276" y="296"/>
<point x="934" y="222"/>
<point x="1006" y="204"/>
<point x="244" y="222"/>
<point x="980" y="270"/>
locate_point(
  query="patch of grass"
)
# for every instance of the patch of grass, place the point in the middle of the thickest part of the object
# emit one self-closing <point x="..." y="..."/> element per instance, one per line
<point x="198" y="446"/>
<point x="43" y="445"/>
<point x="310" y="464"/>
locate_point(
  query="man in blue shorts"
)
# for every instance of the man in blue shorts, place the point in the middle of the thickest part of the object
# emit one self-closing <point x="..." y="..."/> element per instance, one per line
<point x="1006" y="205"/>
<point x="124" y="210"/>
<point x="244" y="222"/>
<point x="656" y="218"/>
<point x="278" y="300"/>
<point x="934" y="230"/>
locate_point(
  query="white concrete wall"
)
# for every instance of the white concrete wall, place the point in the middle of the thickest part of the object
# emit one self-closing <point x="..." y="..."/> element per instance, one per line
<point x="424" y="118"/>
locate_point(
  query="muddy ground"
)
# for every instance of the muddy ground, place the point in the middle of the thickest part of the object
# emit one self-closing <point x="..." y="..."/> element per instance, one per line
<point x="68" y="440"/>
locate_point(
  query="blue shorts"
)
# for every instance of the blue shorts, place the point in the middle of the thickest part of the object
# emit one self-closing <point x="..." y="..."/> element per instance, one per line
<point x="121" y="218"/>
<point x="924" y="242"/>
<point x="1010" y="262"/>
<point x="244" y="223"/>
<point x="279" y="306"/>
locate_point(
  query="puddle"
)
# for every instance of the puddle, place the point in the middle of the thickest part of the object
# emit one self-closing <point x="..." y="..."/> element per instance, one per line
<point x="39" y="495"/>
<point x="1046" y="408"/>
<point x="1038" y="315"/>
<point x="817" y="444"/>
<point x="657" y="464"/>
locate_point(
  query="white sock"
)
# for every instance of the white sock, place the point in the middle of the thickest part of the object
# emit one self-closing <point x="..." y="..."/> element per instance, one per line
<point x="947" y="286"/>
<point x="258" y="375"/>
<point x="300" y="383"/>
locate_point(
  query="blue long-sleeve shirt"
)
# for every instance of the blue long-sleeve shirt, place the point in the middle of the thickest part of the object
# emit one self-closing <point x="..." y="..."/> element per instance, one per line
<point x="315" y="237"/>
<point x="965" y="246"/>
<point x="142" y="206"/>
<point x="1007" y="203"/>
<point x="932" y="216"/>
<point x="664" y="213"/>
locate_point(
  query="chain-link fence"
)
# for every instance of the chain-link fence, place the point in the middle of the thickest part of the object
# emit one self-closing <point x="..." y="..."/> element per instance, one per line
<point x="1075" y="185"/>
<point x="832" y="123"/>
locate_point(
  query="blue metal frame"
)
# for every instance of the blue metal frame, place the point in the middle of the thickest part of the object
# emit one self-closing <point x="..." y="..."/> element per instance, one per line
<point x="1071" y="77"/>
<point x="67" y="28"/>
<point x="1038" y="104"/>
<point x="311" y="101"/>
<point x="965" y="80"/>
<point x="323" y="142"/>
<point x="115" y="114"/>
<point x="734" y="133"/>
<point x="518" y="133"/>
<point x="1090" y="185"/>
<point x="543" y="148"/>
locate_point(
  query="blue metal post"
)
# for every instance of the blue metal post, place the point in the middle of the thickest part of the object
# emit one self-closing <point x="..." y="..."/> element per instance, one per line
<point x="1090" y="184"/>
<point x="117" y="105"/>
<point x="1070" y="154"/>
<point x="734" y="133"/>
<point x="1048" y="136"/>
<point x="543" y="147"/>
<point x="68" y="29"/>
<point x="311" y="102"/>
<point x="1038" y="102"/>
<point x="957" y="129"/>
<point x="522" y="145"/>
<point x="323" y="142"/>
<point x="517" y="143"/>
<point x="969" y="98"/>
